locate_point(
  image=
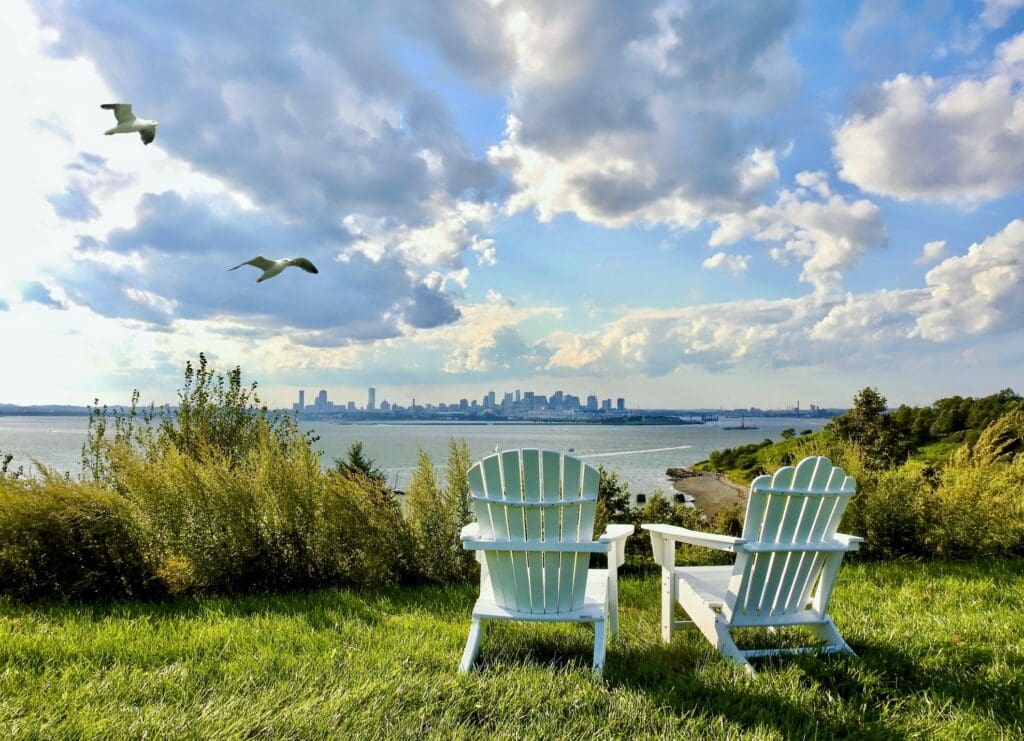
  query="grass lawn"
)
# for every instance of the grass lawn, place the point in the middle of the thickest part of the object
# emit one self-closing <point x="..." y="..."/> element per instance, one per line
<point x="941" y="654"/>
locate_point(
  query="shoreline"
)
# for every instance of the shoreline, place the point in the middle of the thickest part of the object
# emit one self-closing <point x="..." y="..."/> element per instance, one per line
<point x="712" y="492"/>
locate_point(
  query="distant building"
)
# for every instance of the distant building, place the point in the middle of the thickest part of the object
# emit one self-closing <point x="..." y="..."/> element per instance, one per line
<point x="351" y="406"/>
<point x="620" y="404"/>
<point x="592" y="403"/>
<point x="606" y="405"/>
<point x="371" y="401"/>
<point x="463" y="404"/>
<point x="506" y="403"/>
<point x="301" y="405"/>
<point x="385" y="407"/>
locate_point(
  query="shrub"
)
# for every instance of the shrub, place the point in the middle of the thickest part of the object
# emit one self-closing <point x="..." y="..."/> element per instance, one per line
<point x="5" y="467"/>
<point x="459" y="504"/>
<point x="979" y="511"/>
<point x="890" y="511"/>
<point x="71" y="541"/>
<point x="216" y="416"/>
<point x="269" y="520"/>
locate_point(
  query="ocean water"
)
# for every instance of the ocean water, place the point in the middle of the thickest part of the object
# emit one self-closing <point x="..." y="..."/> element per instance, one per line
<point x="639" y="454"/>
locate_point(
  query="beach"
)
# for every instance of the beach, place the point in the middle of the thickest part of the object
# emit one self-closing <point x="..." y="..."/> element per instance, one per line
<point x="711" y="492"/>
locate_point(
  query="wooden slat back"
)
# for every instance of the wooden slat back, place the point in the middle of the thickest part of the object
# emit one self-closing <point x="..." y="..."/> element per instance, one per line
<point x="800" y="505"/>
<point x="534" y="496"/>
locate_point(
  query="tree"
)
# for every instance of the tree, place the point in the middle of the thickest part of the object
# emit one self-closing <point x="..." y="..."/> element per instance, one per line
<point x="612" y="500"/>
<point x="427" y="516"/>
<point x="358" y="463"/>
<point x="459" y="503"/>
<point x="875" y="433"/>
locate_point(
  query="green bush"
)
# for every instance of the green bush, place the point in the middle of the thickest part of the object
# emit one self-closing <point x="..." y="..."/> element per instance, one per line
<point x="66" y="540"/>
<point x="268" y="520"/>
<point x="891" y="511"/>
<point x="979" y="511"/>
<point x="437" y="514"/>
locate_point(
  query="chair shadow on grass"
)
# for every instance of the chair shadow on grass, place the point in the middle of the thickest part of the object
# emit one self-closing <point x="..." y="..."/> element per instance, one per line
<point x="878" y="678"/>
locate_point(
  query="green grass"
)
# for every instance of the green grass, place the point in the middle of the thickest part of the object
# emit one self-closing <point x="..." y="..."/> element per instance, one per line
<point x="941" y="655"/>
<point x="938" y="451"/>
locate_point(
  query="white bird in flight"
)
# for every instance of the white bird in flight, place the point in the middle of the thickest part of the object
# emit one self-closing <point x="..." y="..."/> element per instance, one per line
<point x="127" y="123"/>
<point x="271" y="268"/>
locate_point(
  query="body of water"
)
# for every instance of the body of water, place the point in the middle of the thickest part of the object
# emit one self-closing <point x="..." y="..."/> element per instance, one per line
<point x="639" y="454"/>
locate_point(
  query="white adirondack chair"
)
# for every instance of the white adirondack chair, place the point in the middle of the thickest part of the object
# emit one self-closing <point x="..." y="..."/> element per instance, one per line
<point x="533" y="537"/>
<point x="785" y="569"/>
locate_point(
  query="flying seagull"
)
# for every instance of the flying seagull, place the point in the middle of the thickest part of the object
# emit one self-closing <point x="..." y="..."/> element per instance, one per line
<point x="127" y="123"/>
<point x="271" y="268"/>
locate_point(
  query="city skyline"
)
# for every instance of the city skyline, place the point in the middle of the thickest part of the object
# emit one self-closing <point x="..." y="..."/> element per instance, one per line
<point x="685" y="204"/>
<point x="516" y="401"/>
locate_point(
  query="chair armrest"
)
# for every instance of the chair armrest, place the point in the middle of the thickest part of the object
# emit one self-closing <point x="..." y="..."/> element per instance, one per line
<point x="852" y="542"/>
<point x="470" y="531"/>
<point x="475" y="544"/>
<point x="694" y="537"/>
<point x="615" y="536"/>
<point x="613" y="533"/>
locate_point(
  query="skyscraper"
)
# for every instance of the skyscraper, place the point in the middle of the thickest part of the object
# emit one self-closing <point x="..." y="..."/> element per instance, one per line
<point x="301" y="406"/>
<point x="371" y="402"/>
<point x="620" y="404"/>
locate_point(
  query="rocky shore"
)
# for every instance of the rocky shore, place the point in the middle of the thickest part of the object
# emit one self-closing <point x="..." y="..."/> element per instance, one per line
<point x="711" y="492"/>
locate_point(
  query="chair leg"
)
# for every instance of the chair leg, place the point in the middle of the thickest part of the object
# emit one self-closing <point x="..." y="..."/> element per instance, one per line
<point x="668" y="597"/>
<point x="599" y="646"/>
<point x="613" y="603"/>
<point x="827" y="633"/>
<point x="476" y="630"/>
<point x="717" y="633"/>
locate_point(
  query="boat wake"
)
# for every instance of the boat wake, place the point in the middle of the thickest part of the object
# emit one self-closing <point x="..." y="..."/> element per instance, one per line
<point x="633" y="452"/>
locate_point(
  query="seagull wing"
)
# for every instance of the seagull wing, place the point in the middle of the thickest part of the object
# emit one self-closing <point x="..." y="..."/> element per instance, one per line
<point x="301" y="262"/>
<point x="122" y="112"/>
<point x="148" y="134"/>
<point x="259" y="261"/>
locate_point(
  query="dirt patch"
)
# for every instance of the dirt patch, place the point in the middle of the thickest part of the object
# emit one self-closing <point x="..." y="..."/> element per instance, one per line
<point x="711" y="492"/>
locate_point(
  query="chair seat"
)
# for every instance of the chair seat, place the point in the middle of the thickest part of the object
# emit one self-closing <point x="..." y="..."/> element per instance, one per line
<point x="594" y="607"/>
<point x="709" y="583"/>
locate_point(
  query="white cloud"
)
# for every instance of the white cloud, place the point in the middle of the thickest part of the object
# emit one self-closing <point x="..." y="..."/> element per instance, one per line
<point x="956" y="140"/>
<point x="998" y="12"/>
<point x="735" y="264"/>
<point x="436" y="244"/>
<point x="932" y="252"/>
<point x="981" y="292"/>
<point x="826" y="233"/>
<point x="622" y="116"/>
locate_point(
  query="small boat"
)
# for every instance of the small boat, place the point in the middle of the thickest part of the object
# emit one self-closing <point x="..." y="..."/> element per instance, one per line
<point x="740" y="426"/>
<point x="572" y="450"/>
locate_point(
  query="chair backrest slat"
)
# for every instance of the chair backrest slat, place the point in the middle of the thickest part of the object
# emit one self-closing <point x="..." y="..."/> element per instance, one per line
<point x="800" y="505"/>
<point x="536" y="496"/>
<point x="534" y="530"/>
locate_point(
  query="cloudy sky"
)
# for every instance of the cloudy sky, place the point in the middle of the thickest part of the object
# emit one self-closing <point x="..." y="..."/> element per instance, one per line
<point x="684" y="203"/>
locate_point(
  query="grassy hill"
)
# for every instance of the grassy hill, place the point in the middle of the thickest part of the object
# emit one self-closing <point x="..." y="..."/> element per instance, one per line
<point x="928" y="435"/>
<point x="940" y="653"/>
